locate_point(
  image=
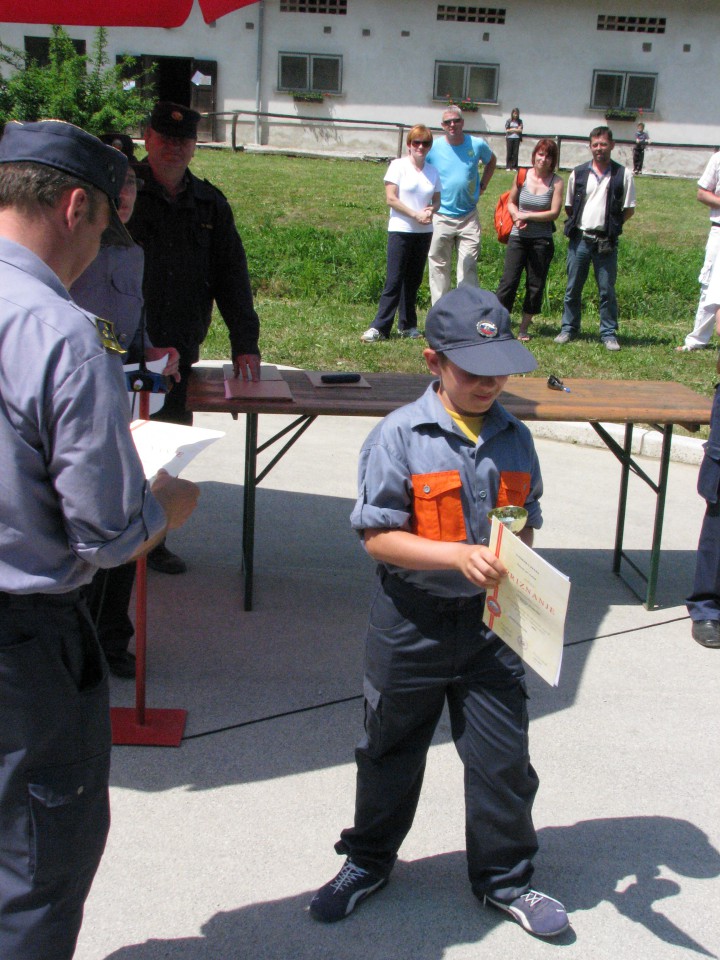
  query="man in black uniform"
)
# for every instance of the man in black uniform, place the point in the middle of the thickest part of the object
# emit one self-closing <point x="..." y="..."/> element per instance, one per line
<point x="193" y="257"/>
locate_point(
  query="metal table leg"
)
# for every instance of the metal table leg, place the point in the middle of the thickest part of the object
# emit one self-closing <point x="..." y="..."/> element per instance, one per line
<point x="624" y="455"/>
<point x="253" y="478"/>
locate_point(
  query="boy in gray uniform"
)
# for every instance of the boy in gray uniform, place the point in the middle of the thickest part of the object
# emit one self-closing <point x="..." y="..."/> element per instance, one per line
<point x="429" y="473"/>
<point x="74" y="499"/>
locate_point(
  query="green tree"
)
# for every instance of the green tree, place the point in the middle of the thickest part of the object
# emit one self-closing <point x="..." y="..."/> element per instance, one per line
<point x="82" y="89"/>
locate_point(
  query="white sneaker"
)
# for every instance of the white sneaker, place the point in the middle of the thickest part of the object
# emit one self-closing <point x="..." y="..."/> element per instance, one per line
<point x="372" y="335"/>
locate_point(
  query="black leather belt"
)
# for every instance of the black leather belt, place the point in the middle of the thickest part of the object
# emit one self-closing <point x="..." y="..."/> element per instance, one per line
<point x="40" y="599"/>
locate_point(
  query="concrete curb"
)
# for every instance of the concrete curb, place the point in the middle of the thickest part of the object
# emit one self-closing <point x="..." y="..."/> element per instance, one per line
<point x="646" y="442"/>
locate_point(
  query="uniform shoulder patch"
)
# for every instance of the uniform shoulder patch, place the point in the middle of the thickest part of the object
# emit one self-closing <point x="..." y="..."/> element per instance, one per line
<point x="107" y="336"/>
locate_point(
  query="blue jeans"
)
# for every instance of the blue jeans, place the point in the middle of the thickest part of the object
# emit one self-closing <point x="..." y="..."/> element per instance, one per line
<point x="581" y="253"/>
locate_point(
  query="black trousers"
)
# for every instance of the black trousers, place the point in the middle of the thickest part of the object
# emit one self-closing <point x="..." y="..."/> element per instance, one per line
<point x="704" y="601"/>
<point x="421" y="654"/>
<point x="512" y="153"/>
<point x="534" y="257"/>
<point x="174" y="409"/>
<point x="108" y="600"/>
<point x="54" y="769"/>
<point x="406" y="258"/>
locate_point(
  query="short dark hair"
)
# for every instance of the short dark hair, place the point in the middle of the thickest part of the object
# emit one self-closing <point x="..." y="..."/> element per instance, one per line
<point x="27" y="186"/>
<point x="600" y="132"/>
<point x="550" y="147"/>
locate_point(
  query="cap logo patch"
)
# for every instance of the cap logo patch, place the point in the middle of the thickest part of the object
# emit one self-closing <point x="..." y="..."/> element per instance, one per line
<point x="176" y="115"/>
<point x="486" y="328"/>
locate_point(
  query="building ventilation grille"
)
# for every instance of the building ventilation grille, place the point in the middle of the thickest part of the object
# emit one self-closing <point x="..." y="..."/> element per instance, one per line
<point x="464" y="14"/>
<point x="631" y="24"/>
<point x="314" y="6"/>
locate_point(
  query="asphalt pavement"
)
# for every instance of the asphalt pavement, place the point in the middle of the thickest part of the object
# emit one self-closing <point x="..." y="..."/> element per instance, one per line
<point x="217" y="845"/>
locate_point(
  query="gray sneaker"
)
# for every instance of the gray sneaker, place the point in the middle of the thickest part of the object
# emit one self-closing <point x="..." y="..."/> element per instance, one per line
<point x="412" y="333"/>
<point x="535" y="912"/>
<point x="611" y="343"/>
<point x="564" y="337"/>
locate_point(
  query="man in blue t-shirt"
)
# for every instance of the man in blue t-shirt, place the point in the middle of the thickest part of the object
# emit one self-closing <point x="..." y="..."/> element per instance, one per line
<point x="456" y="225"/>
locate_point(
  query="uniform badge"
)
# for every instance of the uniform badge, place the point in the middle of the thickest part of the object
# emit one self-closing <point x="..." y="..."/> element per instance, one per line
<point x="106" y="332"/>
<point x="486" y="328"/>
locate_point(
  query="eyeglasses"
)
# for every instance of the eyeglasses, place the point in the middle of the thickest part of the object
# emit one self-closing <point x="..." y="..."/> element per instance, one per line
<point x="422" y="143"/>
<point x="450" y="123"/>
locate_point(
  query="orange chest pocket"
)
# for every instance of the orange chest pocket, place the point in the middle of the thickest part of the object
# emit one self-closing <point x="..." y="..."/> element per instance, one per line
<point x="514" y="489"/>
<point x="437" y="506"/>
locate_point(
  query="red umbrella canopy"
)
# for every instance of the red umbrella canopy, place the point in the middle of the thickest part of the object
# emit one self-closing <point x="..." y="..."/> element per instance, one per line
<point x="114" y="13"/>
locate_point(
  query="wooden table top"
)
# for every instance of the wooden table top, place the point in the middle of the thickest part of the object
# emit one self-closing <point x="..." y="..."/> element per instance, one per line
<point x="528" y="398"/>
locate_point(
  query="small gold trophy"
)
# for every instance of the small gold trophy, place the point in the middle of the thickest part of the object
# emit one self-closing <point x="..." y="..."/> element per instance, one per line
<point x="513" y="518"/>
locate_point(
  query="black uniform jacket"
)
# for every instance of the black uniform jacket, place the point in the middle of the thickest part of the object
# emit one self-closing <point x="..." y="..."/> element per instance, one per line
<point x="193" y="256"/>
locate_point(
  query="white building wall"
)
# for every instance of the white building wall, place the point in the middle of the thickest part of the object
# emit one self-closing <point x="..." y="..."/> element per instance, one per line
<point x="546" y="52"/>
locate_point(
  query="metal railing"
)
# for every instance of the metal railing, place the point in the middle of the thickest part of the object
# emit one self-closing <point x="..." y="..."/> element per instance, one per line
<point x="400" y="129"/>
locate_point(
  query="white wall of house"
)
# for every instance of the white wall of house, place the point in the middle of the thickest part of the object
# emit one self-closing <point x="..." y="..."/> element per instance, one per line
<point x="546" y="53"/>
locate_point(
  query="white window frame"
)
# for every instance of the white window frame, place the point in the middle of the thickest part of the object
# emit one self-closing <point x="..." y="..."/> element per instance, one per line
<point x="455" y="95"/>
<point x="310" y="59"/>
<point x="625" y="77"/>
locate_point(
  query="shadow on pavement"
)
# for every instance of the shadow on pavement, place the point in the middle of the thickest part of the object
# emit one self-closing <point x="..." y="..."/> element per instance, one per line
<point x="427" y="908"/>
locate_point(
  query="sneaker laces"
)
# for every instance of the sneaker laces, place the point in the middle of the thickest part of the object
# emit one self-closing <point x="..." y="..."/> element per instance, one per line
<point x="532" y="897"/>
<point x="348" y="875"/>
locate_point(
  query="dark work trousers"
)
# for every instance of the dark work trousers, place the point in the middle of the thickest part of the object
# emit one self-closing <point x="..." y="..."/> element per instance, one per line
<point x="173" y="410"/>
<point x="534" y="257"/>
<point x="704" y="602"/>
<point x="420" y="653"/>
<point x="54" y="769"/>
<point x="638" y="157"/>
<point x="512" y="153"/>
<point x="406" y="258"/>
<point x="108" y="599"/>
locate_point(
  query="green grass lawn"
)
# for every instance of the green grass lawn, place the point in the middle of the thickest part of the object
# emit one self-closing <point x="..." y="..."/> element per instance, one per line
<point x="315" y="236"/>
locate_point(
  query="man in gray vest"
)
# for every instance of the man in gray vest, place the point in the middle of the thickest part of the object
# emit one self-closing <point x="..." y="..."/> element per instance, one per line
<point x="600" y="199"/>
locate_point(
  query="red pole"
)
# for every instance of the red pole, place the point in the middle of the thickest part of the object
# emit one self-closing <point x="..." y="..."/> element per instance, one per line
<point x="141" y="608"/>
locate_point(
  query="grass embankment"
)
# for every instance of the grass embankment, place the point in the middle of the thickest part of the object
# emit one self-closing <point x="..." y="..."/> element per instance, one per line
<point x="315" y="236"/>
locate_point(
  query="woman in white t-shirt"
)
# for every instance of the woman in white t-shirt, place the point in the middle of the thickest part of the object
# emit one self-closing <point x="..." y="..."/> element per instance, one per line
<point x="412" y="191"/>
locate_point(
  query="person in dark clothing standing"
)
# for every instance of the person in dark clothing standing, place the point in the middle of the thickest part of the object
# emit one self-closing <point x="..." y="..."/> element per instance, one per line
<point x="194" y="257"/>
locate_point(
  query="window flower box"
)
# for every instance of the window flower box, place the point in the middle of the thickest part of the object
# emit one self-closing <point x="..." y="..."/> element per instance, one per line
<point x="618" y="114"/>
<point x="307" y="96"/>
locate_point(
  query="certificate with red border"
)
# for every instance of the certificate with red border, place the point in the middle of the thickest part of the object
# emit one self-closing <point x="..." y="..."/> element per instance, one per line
<point x="528" y="608"/>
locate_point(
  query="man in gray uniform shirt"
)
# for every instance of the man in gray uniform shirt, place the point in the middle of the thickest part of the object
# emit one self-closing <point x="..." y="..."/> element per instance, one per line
<point x="73" y="499"/>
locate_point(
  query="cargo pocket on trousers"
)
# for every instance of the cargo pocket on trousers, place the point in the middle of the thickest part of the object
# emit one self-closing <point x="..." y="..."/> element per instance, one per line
<point x="437" y="506"/>
<point x="373" y="719"/>
<point x="708" y="484"/>
<point x="69" y="810"/>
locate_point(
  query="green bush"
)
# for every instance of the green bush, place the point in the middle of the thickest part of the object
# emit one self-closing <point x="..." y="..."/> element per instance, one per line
<point x="79" y="88"/>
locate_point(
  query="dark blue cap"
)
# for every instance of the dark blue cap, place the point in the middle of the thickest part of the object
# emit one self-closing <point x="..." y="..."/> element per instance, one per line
<point x="472" y="328"/>
<point x="122" y="142"/>
<point x="54" y="143"/>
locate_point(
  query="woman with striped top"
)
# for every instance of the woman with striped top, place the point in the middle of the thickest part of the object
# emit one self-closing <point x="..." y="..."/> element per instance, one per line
<point x="533" y="207"/>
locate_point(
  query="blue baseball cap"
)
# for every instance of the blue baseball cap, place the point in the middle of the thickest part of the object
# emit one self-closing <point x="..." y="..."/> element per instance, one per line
<point x="54" y="143"/>
<point x="472" y="328"/>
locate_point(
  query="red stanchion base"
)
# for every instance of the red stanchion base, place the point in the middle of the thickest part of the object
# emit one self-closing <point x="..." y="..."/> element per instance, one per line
<point x="162" y="728"/>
